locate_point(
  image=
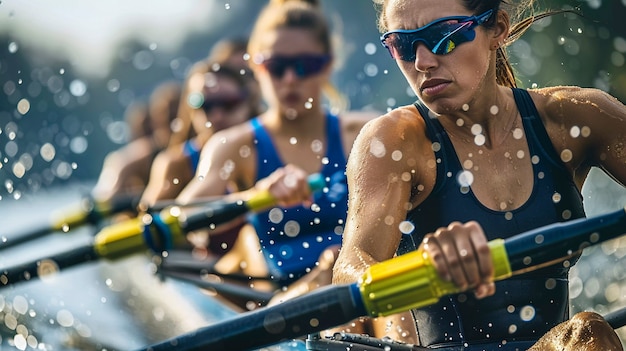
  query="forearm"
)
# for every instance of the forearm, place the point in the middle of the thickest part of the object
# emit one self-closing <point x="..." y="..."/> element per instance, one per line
<point x="351" y="266"/>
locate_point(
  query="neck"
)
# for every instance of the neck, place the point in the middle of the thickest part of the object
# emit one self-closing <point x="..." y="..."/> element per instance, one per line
<point x="487" y="120"/>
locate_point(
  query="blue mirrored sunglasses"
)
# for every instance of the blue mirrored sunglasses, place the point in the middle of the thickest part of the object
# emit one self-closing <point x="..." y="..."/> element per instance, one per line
<point x="440" y="36"/>
<point x="303" y="65"/>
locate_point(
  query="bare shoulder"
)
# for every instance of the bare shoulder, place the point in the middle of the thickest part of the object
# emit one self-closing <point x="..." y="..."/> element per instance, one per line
<point x="231" y="139"/>
<point x="171" y="158"/>
<point x="398" y="123"/>
<point x="575" y="104"/>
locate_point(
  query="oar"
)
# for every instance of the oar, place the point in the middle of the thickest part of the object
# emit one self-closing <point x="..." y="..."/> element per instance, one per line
<point x="87" y="211"/>
<point x="179" y="261"/>
<point x="617" y="318"/>
<point x="159" y="232"/>
<point x="223" y="288"/>
<point x="399" y="284"/>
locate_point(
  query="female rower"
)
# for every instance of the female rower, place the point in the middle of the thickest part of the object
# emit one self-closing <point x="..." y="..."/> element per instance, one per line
<point x="474" y="159"/>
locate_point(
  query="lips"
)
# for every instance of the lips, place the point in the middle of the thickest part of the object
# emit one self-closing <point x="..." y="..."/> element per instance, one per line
<point x="433" y="86"/>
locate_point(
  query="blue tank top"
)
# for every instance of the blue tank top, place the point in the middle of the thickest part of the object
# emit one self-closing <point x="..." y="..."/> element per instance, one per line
<point x="293" y="238"/>
<point x="526" y="306"/>
<point x="193" y="154"/>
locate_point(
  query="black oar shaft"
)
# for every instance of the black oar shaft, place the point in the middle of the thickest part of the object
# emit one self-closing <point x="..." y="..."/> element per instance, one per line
<point x="36" y="232"/>
<point x="49" y="265"/>
<point x="87" y="211"/>
<point x="399" y="284"/>
<point x="616" y="319"/>
<point x="558" y="241"/>
<point x="318" y="310"/>
<point x="223" y="288"/>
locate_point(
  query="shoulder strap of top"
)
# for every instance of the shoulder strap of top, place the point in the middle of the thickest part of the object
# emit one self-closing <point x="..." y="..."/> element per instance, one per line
<point x="333" y="139"/>
<point x="193" y="153"/>
<point x="442" y="146"/>
<point x="267" y="157"/>
<point x="534" y="127"/>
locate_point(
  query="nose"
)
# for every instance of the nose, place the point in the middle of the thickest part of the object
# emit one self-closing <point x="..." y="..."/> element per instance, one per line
<point x="290" y="74"/>
<point x="425" y="60"/>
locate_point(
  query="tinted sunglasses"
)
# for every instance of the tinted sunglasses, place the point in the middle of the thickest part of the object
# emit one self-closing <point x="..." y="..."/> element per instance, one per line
<point x="440" y="36"/>
<point x="228" y="102"/>
<point x="303" y="65"/>
<point x="225" y="102"/>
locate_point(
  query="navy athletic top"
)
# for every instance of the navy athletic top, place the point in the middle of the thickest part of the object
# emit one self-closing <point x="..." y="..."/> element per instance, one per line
<point x="292" y="239"/>
<point x="193" y="154"/>
<point x="526" y="306"/>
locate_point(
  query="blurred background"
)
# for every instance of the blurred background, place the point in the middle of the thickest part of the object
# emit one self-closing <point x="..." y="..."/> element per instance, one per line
<point x="69" y="69"/>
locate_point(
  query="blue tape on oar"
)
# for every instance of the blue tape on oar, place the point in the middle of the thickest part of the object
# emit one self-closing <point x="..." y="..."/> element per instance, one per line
<point x="164" y="233"/>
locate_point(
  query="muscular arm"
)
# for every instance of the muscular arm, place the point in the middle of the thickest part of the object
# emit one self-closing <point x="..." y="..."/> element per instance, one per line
<point x="382" y="171"/>
<point x="587" y="127"/>
<point x="169" y="173"/>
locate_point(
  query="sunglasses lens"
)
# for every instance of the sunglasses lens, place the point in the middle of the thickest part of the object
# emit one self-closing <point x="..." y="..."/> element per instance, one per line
<point x="439" y="37"/>
<point x="303" y="66"/>
<point x="228" y="103"/>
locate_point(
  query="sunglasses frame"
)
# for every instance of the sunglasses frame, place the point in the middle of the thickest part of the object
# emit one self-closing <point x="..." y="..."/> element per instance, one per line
<point x="472" y="21"/>
<point x="228" y="103"/>
<point x="296" y="63"/>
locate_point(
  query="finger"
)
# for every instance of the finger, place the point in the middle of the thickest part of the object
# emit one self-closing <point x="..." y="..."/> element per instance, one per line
<point x="450" y="239"/>
<point x="468" y="258"/>
<point x="433" y="249"/>
<point x="483" y="253"/>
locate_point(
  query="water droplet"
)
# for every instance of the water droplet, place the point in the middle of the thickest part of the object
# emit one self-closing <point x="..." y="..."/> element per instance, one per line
<point x="479" y="140"/>
<point x="317" y="146"/>
<point x="494" y="110"/>
<point x="566" y="155"/>
<point x="292" y="228"/>
<point x="527" y="313"/>
<point x="465" y="178"/>
<point x="477" y="129"/>
<point x="377" y="148"/>
<point x="406" y="227"/>
<point x="65" y="318"/>
<point x="13" y="47"/>
<point x="396" y="155"/>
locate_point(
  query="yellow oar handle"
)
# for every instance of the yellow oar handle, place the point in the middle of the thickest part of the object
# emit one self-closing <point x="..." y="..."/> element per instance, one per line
<point x="410" y="281"/>
<point x="130" y="236"/>
<point x="265" y="199"/>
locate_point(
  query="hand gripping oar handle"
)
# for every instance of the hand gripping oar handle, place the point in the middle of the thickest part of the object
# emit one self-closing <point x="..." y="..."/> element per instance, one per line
<point x="158" y="231"/>
<point x="410" y="281"/>
<point x="218" y="212"/>
<point x="399" y="284"/>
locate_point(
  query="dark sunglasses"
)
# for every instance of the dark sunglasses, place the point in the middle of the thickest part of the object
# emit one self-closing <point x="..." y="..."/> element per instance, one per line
<point x="303" y="65"/>
<point x="440" y="36"/>
<point x="228" y="102"/>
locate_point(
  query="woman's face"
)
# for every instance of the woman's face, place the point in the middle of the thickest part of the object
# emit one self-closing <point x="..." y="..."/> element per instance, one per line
<point x="219" y="100"/>
<point x="445" y="83"/>
<point x="276" y="69"/>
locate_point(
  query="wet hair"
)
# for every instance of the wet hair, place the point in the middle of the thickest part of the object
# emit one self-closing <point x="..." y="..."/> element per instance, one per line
<point x="296" y="14"/>
<point x="522" y="16"/>
<point x="228" y="50"/>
